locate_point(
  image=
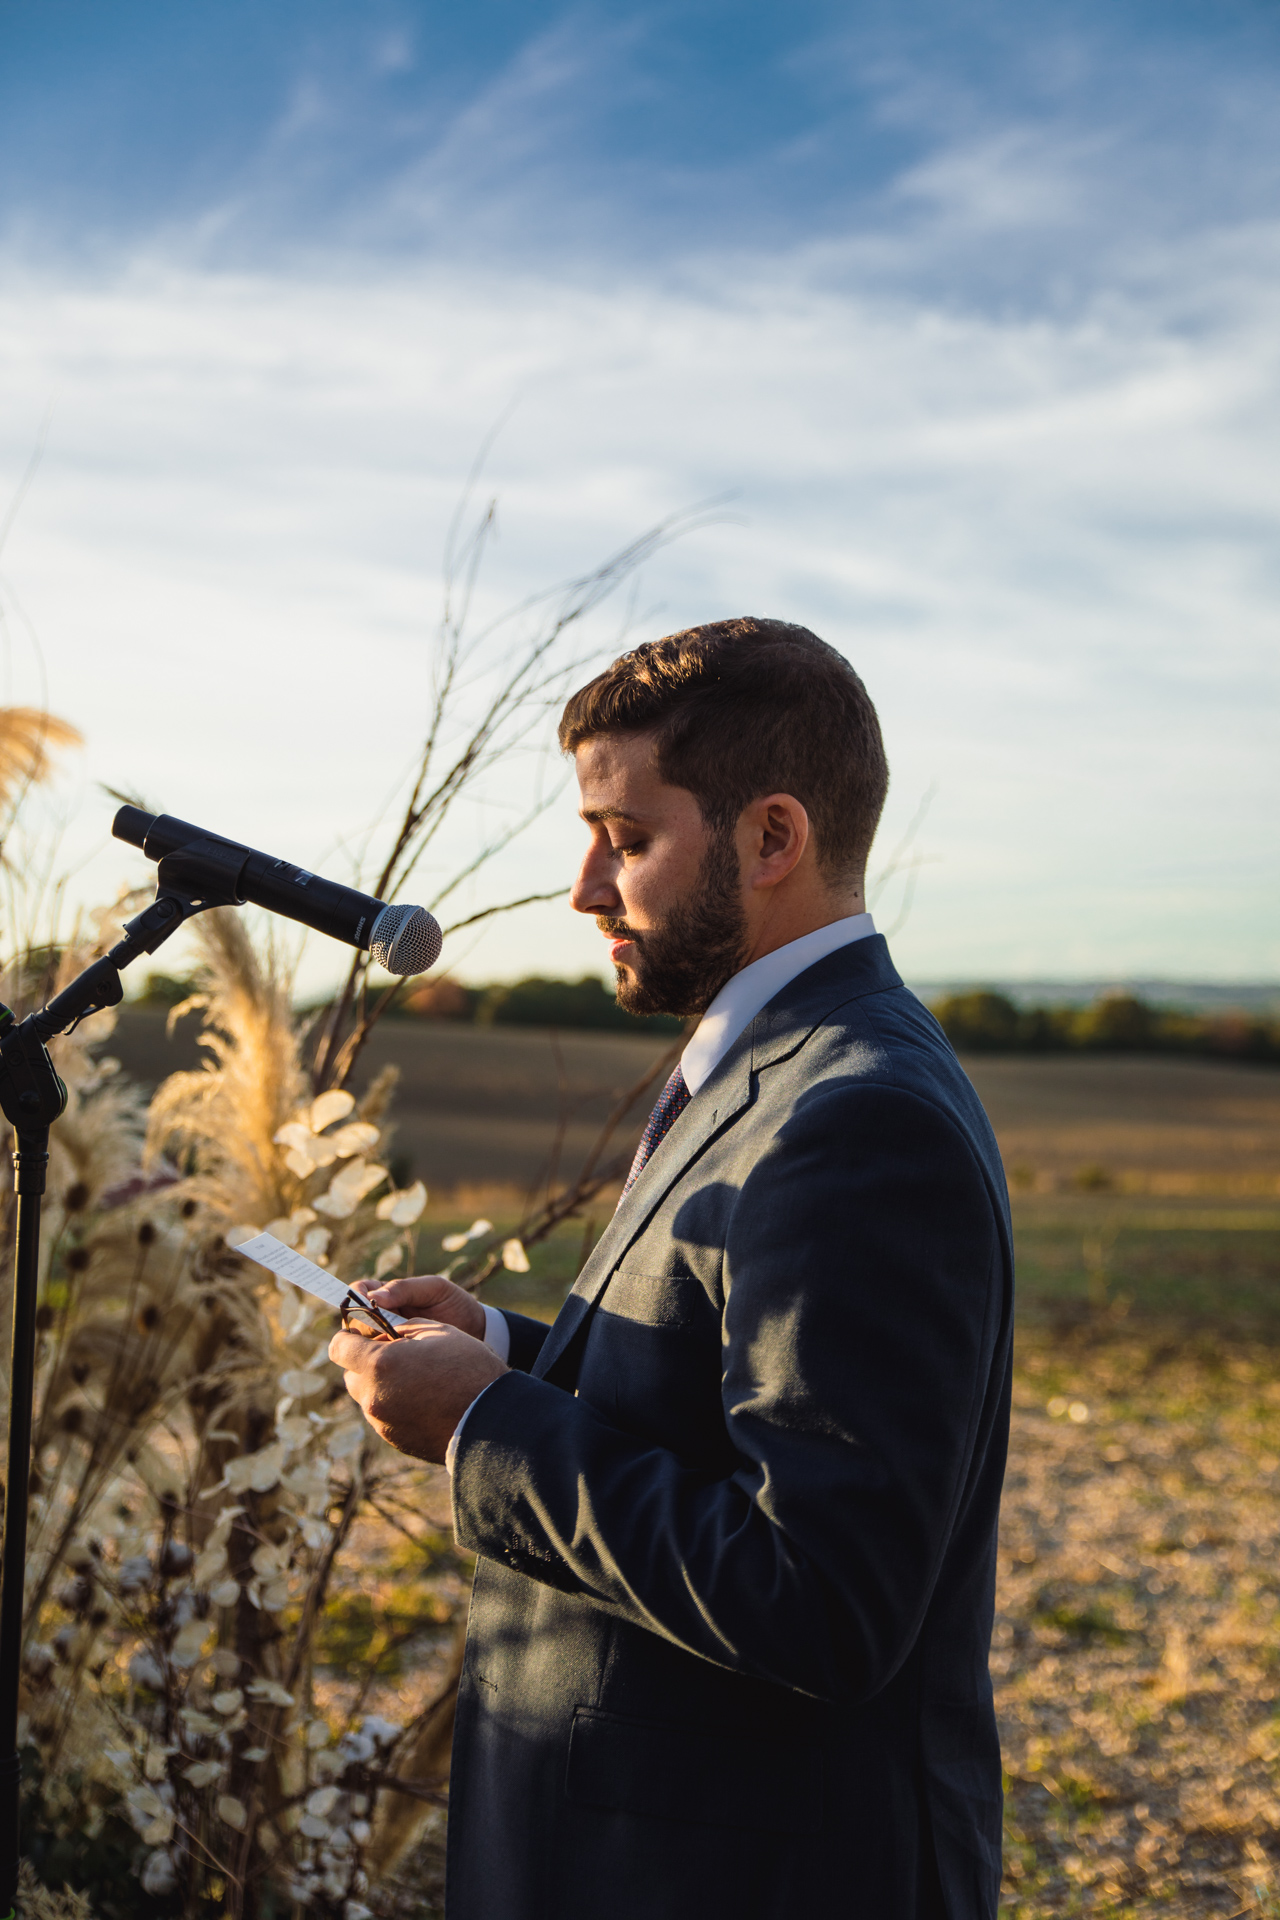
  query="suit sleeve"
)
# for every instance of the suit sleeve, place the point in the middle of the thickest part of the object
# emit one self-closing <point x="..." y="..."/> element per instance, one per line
<point x="864" y="1295"/>
<point x="527" y="1336"/>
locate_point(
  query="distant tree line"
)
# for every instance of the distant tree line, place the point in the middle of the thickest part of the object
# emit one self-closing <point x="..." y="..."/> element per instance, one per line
<point x="534" y="1002"/>
<point x="979" y="1022"/>
<point x="1116" y="1023"/>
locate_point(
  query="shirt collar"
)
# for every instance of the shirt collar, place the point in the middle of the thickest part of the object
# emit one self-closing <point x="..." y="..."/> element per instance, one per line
<point x="740" y="999"/>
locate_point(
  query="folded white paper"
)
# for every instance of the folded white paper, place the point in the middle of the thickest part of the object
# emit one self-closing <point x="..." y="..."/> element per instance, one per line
<point x="301" y="1272"/>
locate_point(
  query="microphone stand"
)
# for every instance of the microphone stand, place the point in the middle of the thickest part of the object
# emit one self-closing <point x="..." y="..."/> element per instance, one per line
<point x="31" y="1098"/>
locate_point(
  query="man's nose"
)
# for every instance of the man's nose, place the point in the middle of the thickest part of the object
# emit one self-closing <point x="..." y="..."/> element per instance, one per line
<point x="594" y="890"/>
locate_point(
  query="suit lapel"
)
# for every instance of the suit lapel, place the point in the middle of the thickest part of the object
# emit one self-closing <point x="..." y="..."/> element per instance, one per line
<point x="715" y="1105"/>
<point x="778" y="1031"/>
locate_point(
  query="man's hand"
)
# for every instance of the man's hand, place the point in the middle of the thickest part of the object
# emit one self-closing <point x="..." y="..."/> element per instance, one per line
<point x="427" y="1296"/>
<point x="414" y="1390"/>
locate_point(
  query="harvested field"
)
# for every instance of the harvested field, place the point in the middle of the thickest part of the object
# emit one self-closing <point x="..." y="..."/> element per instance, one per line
<point x="1137" y="1125"/>
<point x="485" y="1104"/>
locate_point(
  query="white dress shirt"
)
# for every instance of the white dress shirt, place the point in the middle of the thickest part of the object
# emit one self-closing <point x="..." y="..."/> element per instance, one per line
<point x="740" y="999"/>
<point x="730" y="1013"/>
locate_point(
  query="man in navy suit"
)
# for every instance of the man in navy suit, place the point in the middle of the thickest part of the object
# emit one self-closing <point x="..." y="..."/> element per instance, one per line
<point x="735" y="1512"/>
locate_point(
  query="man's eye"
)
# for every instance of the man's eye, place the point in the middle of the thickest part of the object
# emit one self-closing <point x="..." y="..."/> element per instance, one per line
<point x="632" y="846"/>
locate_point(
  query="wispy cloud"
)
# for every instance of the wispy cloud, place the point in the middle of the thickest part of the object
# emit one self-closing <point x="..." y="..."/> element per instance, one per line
<point x="1048" y="548"/>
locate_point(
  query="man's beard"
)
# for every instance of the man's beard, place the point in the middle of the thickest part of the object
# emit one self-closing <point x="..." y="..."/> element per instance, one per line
<point x="682" y="963"/>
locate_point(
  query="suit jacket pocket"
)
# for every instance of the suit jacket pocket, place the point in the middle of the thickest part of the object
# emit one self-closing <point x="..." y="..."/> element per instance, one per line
<point x="680" y="1773"/>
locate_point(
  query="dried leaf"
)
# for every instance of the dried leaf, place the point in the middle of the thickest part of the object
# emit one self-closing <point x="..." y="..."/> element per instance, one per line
<point x="189" y="1641"/>
<point x="357" y="1138"/>
<point x="271" y="1691"/>
<point x="331" y="1106"/>
<point x="348" y="1189"/>
<point x="389" y="1259"/>
<point x="347" y="1440"/>
<point x="302" y="1384"/>
<point x="202" y="1773"/>
<point x="232" y="1811"/>
<point x="403" y="1208"/>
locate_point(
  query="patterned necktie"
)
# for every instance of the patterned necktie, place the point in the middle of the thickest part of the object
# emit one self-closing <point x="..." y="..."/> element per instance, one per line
<point x="672" y="1101"/>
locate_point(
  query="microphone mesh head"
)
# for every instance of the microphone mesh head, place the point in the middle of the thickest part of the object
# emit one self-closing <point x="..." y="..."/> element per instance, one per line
<point x="405" y="940"/>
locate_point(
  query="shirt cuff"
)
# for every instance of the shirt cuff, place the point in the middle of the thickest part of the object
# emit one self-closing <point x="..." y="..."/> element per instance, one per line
<point x="497" y="1337"/>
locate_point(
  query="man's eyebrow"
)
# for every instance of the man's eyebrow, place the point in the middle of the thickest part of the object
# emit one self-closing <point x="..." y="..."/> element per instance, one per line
<point x="602" y="815"/>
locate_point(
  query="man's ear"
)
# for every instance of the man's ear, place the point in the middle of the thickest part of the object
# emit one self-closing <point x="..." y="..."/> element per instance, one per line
<point x="776" y="832"/>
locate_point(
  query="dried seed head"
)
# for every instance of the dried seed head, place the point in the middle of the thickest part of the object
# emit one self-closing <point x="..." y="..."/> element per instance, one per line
<point x="175" y="1557"/>
<point x="146" y="1234"/>
<point x="44" y="1317"/>
<point x="149" y="1319"/>
<point x="80" y="1372"/>
<point x="71" y="1419"/>
<point x="77" y="1197"/>
<point x="190" y="1207"/>
<point x="78" y="1259"/>
<point x="76" y="1595"/>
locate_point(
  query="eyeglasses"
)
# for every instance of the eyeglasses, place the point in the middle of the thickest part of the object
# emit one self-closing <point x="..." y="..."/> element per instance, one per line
<point x="355" y="1309"/>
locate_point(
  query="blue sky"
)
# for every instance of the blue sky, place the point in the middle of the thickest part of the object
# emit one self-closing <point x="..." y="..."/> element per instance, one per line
<point x="971" y="311"/>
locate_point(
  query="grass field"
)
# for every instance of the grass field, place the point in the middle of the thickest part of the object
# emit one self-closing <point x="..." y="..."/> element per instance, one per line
<point x="1136" y="1652"/>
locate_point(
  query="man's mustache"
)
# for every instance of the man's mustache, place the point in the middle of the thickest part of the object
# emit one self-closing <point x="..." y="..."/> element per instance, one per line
<point x="618" y="929"/>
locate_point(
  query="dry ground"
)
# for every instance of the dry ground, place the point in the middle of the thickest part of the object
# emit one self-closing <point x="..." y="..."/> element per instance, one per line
<point x="1136" y="1653"/>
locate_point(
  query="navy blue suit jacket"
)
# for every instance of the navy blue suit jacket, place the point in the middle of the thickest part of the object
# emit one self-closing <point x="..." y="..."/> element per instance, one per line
<point x="736" y="1510"/>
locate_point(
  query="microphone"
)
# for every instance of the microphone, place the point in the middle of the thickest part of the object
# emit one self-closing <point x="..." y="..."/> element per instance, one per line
<point x="404" y="940"/>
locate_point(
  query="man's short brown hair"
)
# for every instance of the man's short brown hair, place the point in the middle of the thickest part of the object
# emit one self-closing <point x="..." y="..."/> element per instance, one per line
<point x="741" y="708"/>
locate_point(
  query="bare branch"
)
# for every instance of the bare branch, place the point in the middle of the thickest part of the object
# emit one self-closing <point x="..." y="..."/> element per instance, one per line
<point x="508" y="906"/>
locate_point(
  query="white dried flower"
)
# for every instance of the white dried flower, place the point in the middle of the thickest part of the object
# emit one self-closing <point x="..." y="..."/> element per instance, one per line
<point x="202" y="1773"/>
<point x="336" y="1104"/>
<point x="290" y="1225"/>
<point x="383" y="1731"/>
<point x="300" y="1384"/>
<point x="232" y="1811"/>
<point x="403" y="1208"/>
<point x="455" y="1242"/>
<point x="272" y="1692"/>
<point x="347" y="1440"/>
<point x="357" y="1138"/>
<point x="348" y="1188"/>
<point x="135" y="1572"/>
<point x="189" y="1642"/>
<point x="196" y="1722"/>
<point x="145" y="1670"/>
<point x="257" y="1471"/>
<point x="159" y="1876"/>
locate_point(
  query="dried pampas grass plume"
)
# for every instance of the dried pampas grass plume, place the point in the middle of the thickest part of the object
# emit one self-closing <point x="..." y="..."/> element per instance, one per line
<point x="27" y="735"/>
